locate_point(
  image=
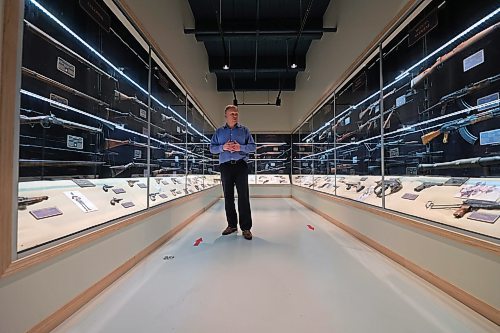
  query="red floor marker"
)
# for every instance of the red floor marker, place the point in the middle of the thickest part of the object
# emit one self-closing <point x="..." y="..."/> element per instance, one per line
<point x="198" y="241"/>
<point x="310" y="227"/>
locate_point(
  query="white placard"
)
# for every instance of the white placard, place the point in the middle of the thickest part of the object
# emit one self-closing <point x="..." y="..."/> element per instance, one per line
<point x="347" y="121"/>
<point x="143" y="113"/>
<point x="81" y="201"/>
<point x="474" y="60"/>
<point x="58" y="99"/>
<point x="137" y="153"/>
<point x="355" y="160"/>
<point x="74" y="142"/>
<point x="400" y="100"/>
<point x="66" y="67"/>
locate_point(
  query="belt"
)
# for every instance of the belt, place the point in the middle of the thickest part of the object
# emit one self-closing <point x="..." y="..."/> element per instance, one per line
<point x="234" y="161"/>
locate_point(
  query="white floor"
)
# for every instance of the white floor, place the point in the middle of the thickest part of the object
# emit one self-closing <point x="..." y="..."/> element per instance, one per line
<point x="287" y="279"/>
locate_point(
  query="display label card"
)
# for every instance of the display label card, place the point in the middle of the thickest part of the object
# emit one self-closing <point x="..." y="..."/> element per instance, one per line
<point x="59" y="100"/>
<point x="486" y="99"/>
<point x="489" y="137"/>
<point x="411" y="171"/>
<point x="83" y="182"/>
<point x="400" y="100"/>
<point x="119" y="190"/>
<point x="74" y="142"/>
<point x="81" y="201"/>
<point x="483" y="217"/>
<point x="178" y="129"/>
<point x="128" y="204"/>
<point x="45" y="213"/>
<point x="409" y="196"/>
<point x="276" y="149"/>
<point x="456" y="181"/>
<point x="66" y="67"/>
<point x="305" y="165"/>
<point x="347" y="120"/>
<point x="145" y="131"/>
<point x="474" y="60"/>
<point x="393" y="152"/>
<point x="143" y="113"/>
<point x="163" y="196"/>
<point x="273" y="164"/>
<point x="354" y="160"/>
<point x="137" y="153"/>
<point x="142" y="185"/>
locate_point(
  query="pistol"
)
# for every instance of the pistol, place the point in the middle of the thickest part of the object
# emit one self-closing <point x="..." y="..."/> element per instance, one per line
<point x="114" y="201"/>
<point x="23" y="202"/>
<point x="131" y="182"/>
<point x="105" y="187"/>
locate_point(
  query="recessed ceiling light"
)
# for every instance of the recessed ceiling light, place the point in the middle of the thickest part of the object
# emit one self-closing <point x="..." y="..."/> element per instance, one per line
<point x="294" y="65"/>
<point x="226" y="67"/>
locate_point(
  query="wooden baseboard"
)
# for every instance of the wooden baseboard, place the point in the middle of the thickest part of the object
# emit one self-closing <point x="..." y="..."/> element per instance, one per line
<point x="472" y="302"/>
<point x="54" y="320"/>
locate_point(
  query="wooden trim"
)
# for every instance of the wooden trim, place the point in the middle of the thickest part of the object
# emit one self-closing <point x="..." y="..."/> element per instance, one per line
<point x="370" y="48"/>
<point x="79" y="301"/>
<point x="9" y="96"/>
<point x="472" y="302"/>
<point x="393" y="216"/>
<point x="59" y="249"/>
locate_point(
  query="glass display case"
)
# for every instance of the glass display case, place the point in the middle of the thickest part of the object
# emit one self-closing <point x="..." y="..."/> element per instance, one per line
<point x="419" y="133"/>
<point x="271" y="159"/>
<point x="104" y="129"/>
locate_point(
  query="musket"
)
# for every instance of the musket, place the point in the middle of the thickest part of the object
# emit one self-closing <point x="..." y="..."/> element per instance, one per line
<point x="372" y="106"/>
<point x="346" y="135"/>
<point x="48" y="121"/>
<point x="459" y="48"/>
<point x="463" y="163"/>
<point x="112" y="143"/>
<point x="119" y="96"/>
<point x="460" y="125"/>
<point x="38" y="76"/>
<point x="114" y="201"/>
<point x="117" y="169"/>
<point x="56" y="163"/>
<point x="23" y="202"/>
<point x="393" y="184"/>
<point x="465" y="207"/>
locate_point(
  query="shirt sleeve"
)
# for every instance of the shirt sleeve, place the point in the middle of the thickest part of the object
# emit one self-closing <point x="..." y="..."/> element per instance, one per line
<point x="215" y="146"/>
<point x="249" y="147"/>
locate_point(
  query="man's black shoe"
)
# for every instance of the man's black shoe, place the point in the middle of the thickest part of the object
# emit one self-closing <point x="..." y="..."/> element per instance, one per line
<point x="229" y="230"/>
<point x="247" y="234"/>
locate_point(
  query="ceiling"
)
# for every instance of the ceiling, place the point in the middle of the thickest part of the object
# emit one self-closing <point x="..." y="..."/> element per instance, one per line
<point x="258" y="40"/>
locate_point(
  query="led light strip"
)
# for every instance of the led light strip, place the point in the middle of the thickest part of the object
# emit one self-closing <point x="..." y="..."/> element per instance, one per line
<point x="55" y="19"/>
<point x="405" y="129"/>
<point x="407" y="72"/>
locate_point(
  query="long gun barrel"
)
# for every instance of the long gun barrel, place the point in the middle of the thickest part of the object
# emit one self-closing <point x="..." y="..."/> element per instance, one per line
<point x="462" y="163"/>
<point x="48" y="121"/>
<point x="459" y="48"/>
<point x="23" y="202"/>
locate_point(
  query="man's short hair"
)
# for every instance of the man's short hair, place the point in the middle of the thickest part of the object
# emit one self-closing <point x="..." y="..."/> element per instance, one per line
<point x="230" y="106"/>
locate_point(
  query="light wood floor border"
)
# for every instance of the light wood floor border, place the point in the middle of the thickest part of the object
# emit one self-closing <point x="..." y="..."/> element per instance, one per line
<point x="472" y="302"/>
<point x="393" y="216"/>
<point x="59" y="249"/>
<point x="79" y="301"/>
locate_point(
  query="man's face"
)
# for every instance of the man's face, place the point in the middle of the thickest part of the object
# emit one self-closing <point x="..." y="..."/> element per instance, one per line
<point x="231" y="116"/>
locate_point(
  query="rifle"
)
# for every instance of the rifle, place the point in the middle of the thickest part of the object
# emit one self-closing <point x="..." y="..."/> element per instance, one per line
<point x="112" y="143"/>
<point x="117" y="169"/>
<point x="460" y="125"/>
<point x="394" y="184"/>
<point x="56" y="163"/>
<point x="23" y="202"/>
<point x="374" y="105"/>
<point x="48" y="121"/>
<point x="164" y="169"/>
<point x="465" y="207"/>
<point x="463" y="163"/>
<point x="119" y="96"/>
<point x="459" y="48"/>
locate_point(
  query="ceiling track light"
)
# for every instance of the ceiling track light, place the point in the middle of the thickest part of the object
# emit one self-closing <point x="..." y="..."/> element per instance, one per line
<point x="225" y="67"/>
<point x="294" y="65"/>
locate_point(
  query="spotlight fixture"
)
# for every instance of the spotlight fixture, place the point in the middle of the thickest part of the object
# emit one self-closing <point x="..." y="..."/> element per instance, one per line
<point x="294" y="65"/>
<point x="235" y="102"/>
<point x="225" y="67"/>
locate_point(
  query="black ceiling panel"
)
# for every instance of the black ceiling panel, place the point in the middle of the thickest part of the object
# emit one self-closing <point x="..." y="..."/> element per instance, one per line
<point x="258" y="39"/>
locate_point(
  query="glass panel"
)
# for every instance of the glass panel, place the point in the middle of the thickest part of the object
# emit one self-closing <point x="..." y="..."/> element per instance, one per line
<point x="443" y="136"/>
<point x="357" y="127"/>
<point x="196" y="143"/>
<point x="273" y="158"/>
<point x="323" y="150"/>
<point x="83" y="115"/>
<point x="303" y="164"/>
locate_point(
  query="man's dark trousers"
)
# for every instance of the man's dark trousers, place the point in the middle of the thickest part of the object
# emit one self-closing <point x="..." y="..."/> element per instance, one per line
<point x="236" y="173"/>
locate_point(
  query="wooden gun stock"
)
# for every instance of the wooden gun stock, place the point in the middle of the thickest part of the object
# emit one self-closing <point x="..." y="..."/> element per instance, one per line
<point x="426" y="138"/>
<point x="464" y="209"/>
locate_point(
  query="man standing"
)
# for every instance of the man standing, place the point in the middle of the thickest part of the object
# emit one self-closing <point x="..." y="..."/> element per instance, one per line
<point x="233" y="142"/>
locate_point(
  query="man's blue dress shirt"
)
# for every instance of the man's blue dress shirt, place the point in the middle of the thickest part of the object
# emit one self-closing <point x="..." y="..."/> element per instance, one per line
<point x="238" y="133"/>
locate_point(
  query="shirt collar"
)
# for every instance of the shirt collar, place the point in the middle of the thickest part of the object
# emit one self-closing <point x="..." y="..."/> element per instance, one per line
<point x="237" y="125"/>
